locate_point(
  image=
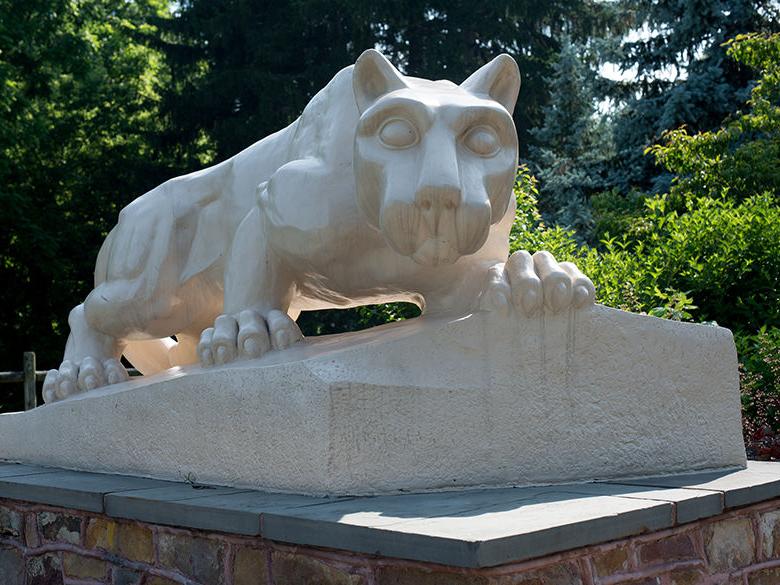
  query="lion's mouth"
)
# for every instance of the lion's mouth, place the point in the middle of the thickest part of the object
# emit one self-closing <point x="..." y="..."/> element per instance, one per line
<point x="434" y="251"/>
<point x="433" y="240"/>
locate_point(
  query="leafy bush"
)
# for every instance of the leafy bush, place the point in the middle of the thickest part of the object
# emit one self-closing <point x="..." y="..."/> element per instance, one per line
<point x="716" y="261"/>
<point x="759" y="376"/>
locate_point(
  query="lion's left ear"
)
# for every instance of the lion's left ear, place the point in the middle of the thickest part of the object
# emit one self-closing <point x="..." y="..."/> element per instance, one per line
<point x="499" y="80"/>
<point x="373" y="77"/>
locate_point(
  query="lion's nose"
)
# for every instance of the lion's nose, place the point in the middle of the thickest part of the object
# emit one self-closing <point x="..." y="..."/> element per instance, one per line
<point x="438" y="198"/>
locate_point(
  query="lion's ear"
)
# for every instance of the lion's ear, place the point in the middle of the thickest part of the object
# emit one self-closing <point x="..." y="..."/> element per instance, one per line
<point x="373" y="77"/>
<point x="499" y="80"/>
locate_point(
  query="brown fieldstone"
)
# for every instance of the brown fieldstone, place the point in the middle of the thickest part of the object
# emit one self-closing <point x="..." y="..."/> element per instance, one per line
<point x="10" y="522"/>
<point x="678" y="547"/>
<point x="687" y="577"/>
<point x="729" y="544"/>
<point x="250" y="567"/>
<point x="390" y="575"/>
<point x="611" y="562"/>
<point x="295" y="569"/>
<point x="558" y="574"/>
<point x="769" y="525"/>
<point x="153" y="580"/>
<point x="101" y="533"/>
<point x="135" y="542"/>
<point x="31" y="537"/>
<point x="11" y="566"/>
<point x="201" y="559"/>
<point x="60" y="527"/>
<point x="44" y="570"/>
<point x="129" y="540"/>
<point x="764" y="577"/>
<point x="80" y="567"/>
<point x="122" y="576"/>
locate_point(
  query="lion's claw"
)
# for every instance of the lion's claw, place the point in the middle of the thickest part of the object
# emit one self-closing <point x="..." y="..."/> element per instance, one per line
<point x="245" y="336"/>
<point x="533" y="283"/>
<point x="87" y="374"/>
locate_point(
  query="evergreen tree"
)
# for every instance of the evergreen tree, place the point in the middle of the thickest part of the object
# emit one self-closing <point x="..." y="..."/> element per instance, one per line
<point x="243" y="69"/>
<point x="571" y="145"/>
<point x="246" y="68"/>
<point x="452" y="38"/>
<point x="680" y="74"/>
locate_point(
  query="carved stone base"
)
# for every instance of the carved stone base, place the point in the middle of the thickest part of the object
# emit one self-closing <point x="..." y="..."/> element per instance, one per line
<point x="424" y="404"/>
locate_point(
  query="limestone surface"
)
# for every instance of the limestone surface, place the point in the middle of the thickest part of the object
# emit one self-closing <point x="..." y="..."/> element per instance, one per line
<point x="431" y="403"/>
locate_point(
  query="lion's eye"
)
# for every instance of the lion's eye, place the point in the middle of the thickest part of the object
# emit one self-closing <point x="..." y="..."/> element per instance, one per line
<point x="482" y="140"/>
<point x="398" y="133"/>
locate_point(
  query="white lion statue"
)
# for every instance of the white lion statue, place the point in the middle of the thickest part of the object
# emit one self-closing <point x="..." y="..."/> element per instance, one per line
<point x="387" y="188"/>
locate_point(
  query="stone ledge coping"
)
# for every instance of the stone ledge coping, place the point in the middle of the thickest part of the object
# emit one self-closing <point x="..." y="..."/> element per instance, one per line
<point x="470" y="528"/>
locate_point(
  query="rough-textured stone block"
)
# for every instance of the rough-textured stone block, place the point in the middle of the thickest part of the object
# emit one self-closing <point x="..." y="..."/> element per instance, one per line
<point x="44" y="569"/>
<point x="122" y="576"/>
<point x="81" y="567"/>
<point x="135" y="542"/>
<point x="729" y="544"/>
<point x="464" y="410"/>
<point x="403" y="575"/>
<point x="250" y="566"/>
<point x="678" y="547"/>
<point x="10" y="523"/>
<point x="129" y="540"/>
<point x="101" y="533"/>
<point x="56" y="527"/>
<point x="32" y="537"/>
<point x="764" y="577"/>
<point x="200" y="558"/>
<point x="688" y="577"/>
<point x="11" y="566"/>
<point x="295" y="569"/>
<point x="611" y="562"/>
<point x="769" y="525"/>
<point x="155" y="580"/>
<point x="558" y="574"/>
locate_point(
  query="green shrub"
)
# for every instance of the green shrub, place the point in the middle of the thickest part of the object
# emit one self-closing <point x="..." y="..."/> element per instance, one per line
<point x="759" y="376"/>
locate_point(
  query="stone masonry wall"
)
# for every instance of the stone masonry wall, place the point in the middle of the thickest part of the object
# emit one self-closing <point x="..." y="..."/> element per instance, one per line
<point x="41" y="545"/>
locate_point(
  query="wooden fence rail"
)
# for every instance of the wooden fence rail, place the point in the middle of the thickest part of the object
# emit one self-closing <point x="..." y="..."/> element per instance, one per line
<point x="29" y="376"/>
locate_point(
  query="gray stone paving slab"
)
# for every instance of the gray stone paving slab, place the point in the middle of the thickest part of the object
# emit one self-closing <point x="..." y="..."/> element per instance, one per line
<point x="375" y="540"/>
<point x="759" y="482"/>
<point x="689" y="504"/>
<point x="71" y="489"/>
<point x="229" y="511"/>
<point x="12" y="469"/>
<point x="548" y="528"/>
<point x="470" y="529"/>
<point x="771" y="467"/>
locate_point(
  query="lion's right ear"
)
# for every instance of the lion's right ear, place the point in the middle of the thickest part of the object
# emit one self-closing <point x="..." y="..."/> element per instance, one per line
<point x="499" y="80"/>
<point x="373" y="77"/>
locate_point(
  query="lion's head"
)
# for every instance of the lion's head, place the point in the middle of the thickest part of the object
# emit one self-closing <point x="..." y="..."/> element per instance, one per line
<point x="434" y="162"/>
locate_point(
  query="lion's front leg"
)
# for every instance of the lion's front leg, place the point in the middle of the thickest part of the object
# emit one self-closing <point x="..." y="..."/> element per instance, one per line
<point x="531" y="284"/>
<point x="257" y="297"/>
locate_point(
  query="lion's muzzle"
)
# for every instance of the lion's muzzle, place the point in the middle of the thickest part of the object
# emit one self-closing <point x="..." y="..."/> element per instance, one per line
<point x="437" y="228"/>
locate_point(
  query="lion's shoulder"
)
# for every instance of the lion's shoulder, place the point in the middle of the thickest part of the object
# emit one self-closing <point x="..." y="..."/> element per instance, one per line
<point x="326" y="128"/>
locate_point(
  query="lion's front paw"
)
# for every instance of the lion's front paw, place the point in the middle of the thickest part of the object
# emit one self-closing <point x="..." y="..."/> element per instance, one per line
<point x="246" y="335"/>
<point x="79" y="376"/>
<point x="532" y="283"/>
